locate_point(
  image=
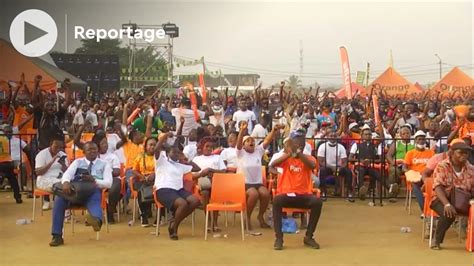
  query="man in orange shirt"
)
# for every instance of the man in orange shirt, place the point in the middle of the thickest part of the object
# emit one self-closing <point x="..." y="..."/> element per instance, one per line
<point x="416" y="160"/>
<point x="466" y="129"/>
<point x="294" y="189"/>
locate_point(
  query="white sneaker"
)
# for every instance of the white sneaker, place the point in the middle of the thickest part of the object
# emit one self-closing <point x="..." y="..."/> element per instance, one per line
<point x="46" y="206"/>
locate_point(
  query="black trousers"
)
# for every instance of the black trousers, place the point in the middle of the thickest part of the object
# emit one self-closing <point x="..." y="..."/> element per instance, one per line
<point x="114" y="195"/>
<point x="373" y="173"/>
<point x="6" y="168"/>
<point x="443" y="222"/>
<point x="299" y="201"/>
<point x="324" y="172"/>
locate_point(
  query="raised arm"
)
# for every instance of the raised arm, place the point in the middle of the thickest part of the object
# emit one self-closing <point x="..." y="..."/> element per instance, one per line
<point x="269" y="138"/>
<point x="243" y="128"/>
<point x="77" y="137"/>
<point x="160" y="146"/>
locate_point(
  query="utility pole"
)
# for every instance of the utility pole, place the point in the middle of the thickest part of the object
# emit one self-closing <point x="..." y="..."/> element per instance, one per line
<point x="440" y="66"/>
<point x="301" y="58"/>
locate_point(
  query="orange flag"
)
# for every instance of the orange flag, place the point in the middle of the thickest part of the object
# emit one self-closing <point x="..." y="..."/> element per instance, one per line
<point x="203" y="88"/>
<point x="192" y="97"/>
<point x="346" y="72"/>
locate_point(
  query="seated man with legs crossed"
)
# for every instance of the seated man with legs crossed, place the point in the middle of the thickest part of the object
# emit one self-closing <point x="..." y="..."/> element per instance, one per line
<point x="87" y="169"/>
<point x="294" y="189"/>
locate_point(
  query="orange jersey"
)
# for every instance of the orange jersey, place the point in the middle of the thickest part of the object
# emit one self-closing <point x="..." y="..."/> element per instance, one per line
<point x="131" y="151"/>
<point x="296" y="177"/>
<point x="416" y="160"/>
<point x="5" y="149"/>
<point x="467" y="130"/>
<point x="20" y="116"/>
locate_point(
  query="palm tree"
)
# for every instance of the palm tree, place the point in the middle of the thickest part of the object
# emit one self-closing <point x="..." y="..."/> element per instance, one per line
<point x="294" y="82"/>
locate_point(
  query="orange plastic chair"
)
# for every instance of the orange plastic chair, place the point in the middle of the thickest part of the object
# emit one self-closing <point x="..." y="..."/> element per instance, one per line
<point x="315" y="191"/>
<point x="264" y="176"/>
<point x="186" y="178"/>
<point x="39" y="193"/>
<point x="122" y="190"/>
<point x="427" y="211"/>
<point x="158" y="208"/>
<point x="408" y="196"/>
<point x="377" y="166"/>
<point x="103" y="205"/>
<point x="227" y="194"/>
<point x="470" y="230"/>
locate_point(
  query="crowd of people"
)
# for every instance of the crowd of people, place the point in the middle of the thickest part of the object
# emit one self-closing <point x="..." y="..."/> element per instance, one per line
<point x="307" y="141"/>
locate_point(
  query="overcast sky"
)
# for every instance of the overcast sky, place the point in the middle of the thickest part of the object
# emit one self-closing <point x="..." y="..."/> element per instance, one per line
<point x="264" y="37"/>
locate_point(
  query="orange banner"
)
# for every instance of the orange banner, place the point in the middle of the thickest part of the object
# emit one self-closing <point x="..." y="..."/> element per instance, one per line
<point x="192" y="97"/>
<point x="375" y="102"/>
<point x="133" y="115"/>
<point x="346" y="72"/>
<point x="203" y="88"/>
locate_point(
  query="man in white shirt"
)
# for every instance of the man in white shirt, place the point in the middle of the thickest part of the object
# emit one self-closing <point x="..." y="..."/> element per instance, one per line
<point x="244" y="115"/>
<point x="17" y="146"/>
<point x="260" y="130"/>
<point x="85" y="114"/>
<point x="50" y="165"/>
<point x="87" y="169"/>
<point x="188" y="114"/>
<point x="332" y="158"/>
<point x="114" y="192"/>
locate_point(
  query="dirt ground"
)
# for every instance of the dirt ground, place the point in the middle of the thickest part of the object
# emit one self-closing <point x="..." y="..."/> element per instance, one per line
<point x="349" y="234"/>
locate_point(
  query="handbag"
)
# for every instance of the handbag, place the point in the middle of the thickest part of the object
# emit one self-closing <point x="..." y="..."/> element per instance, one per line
<point x="146" y="190"/>
<point x="460" y="200"/>
<point x="146" y="193"/>
<point x="80" y="191"/>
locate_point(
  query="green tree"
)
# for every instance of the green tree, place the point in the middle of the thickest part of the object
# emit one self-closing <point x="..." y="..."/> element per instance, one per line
<point x="294" y="82"/>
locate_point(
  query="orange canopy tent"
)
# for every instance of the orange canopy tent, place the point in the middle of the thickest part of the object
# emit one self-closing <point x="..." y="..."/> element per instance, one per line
<point x="455" y="80"/>
<point x="12" y="64"/>
<point x="420" y="88"/>
<point x="356" y="88"/>
<point x="393" y="84"/>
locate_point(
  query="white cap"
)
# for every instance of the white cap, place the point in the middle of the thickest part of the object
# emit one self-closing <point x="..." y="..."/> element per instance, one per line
<point x="420" y="133"/>
<point x="365" y="127"/>
<point x="352" y="125"/>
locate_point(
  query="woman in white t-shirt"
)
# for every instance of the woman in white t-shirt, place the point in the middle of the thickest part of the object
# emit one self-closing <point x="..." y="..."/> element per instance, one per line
<point x="170" y="167"/>
<point x="249" y="163"/>
<point x="209" y="164"/>
<point x="229" y="155"/>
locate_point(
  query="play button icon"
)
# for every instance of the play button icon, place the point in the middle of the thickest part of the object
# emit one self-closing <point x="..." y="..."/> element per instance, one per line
<point x="33" y="33"/>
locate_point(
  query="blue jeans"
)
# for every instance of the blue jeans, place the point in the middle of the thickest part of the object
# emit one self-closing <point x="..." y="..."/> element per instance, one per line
<point x="418" y="194"/>
<point x="93" y="205"/>
<point x="128" y="192"/>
